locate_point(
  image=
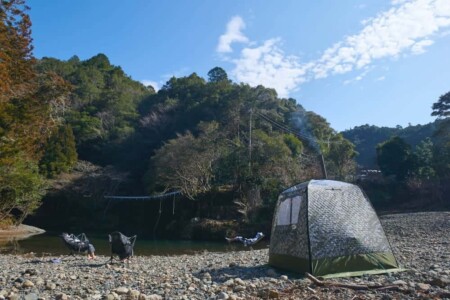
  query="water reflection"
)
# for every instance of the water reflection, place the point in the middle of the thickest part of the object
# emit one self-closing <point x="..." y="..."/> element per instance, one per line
<point x="48" y="244"/>
<point x="9" y="245"/>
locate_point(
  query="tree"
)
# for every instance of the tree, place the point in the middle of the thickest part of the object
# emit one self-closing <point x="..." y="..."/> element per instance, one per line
<point x="21" y="188"/>
<point x="394" y="158"/>
<point x="16" y="60"/>
<point x="187" y="162"/>
<point x="441" y="108"/>
<point x="294" y="144"/>
<point x="103" y="106"/>
<point x="31" y="106"/>
<point x="217" y="74"/>
<point x="424" y="160"/>
<point x="60" y="153"/>
<point x="341" y="156"/>
<point x="314" y="128"/>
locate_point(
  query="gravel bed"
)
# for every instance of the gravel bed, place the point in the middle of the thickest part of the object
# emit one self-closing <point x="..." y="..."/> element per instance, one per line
<point x="419" y="240"/>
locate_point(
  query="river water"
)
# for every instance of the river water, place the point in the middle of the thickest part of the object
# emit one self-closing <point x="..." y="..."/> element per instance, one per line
<point x="48" y="244"/>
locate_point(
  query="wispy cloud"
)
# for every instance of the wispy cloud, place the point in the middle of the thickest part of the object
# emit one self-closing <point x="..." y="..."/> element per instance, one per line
<point x="405" y="29"/>
<point x="177" y="73"/>
<point x="232" y="35"/>
<point x="419" y="47"/>
<point x="154" y="84"/>
<point x="359" y="77"/>
<point x="409" y="27"/>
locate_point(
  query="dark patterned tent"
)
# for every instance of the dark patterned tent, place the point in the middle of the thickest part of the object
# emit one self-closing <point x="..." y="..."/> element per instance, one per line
<point x="328" y="228"/>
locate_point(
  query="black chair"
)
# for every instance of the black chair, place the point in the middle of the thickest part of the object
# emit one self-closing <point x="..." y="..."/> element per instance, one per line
<point x="121" y="245"/>
<point x="77" y="243"/>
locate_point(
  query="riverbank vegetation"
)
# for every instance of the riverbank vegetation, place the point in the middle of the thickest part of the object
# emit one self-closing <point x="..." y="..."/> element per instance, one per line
<point x="72" y="132"/>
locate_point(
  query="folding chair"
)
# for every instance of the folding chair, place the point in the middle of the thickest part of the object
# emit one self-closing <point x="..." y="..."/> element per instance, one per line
<point x="121" y="245"/>
<point x="77" y="243"/>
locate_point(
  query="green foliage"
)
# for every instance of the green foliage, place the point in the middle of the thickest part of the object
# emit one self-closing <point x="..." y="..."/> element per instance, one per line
<point x="441" y="108"/>
<point x="441" y="150"/>
<point x="424" y="160"/>
<point x="294" y="144"/>
<point x="441" y="159"/>
<point x="60" y="153"/>
<point x="31" y="106"/>
<point x="85" y="127"/>
<point x="340" y="157"/>
<point x="187" y="162"/>
<point x="103" y="107"/>
<point x="394" y="158"/>
<point x="21" y="187"/>
<point x="367" y="137"/>
<point x="217" y="74"/>
<point x="250" y="147"/>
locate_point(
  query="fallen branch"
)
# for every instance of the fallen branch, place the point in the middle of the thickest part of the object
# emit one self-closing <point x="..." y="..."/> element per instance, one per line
<point x="351" y="286"/>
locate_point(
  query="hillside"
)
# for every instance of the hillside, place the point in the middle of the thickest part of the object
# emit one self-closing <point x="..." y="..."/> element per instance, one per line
<point x="367" y="137"/>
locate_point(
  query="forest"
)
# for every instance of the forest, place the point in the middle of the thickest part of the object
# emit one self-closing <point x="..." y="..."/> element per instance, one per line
<point x="74" y="131"/>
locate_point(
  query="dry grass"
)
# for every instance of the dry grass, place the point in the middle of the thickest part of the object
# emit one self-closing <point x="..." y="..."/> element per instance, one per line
<point x="6" y="223"/>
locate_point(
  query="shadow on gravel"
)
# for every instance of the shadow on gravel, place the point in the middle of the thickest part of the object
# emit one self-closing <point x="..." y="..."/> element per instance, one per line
<point x="68" y="262"/>
<point x="90" y="265"/>
<point x="221" y="275"/>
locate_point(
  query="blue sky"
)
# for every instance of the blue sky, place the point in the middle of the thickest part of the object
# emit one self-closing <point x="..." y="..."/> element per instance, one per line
<point x="378" y="62"/>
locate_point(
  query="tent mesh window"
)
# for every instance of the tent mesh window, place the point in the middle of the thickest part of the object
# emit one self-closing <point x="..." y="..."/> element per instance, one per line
<point x="291" y="238"/>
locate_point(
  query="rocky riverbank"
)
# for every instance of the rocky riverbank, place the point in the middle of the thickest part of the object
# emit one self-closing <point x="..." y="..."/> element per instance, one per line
<point x="420" y="241"/>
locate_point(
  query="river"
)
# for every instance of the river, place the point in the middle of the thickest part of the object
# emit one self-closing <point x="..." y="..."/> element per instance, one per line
<point x="52" y="245"/>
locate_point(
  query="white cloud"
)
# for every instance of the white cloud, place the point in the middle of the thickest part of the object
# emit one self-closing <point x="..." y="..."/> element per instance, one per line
<point x="177" y="73"/>
<point x="154" y="84"/>
<point x="419" y="47"/>
<point x="381" y="78"/>
<point x="409" y="27"/>
<point x="232" y="35"/>
<point x="358" y="78"/>
<point x="397" y="2"/>
<point x="269" y="66"/>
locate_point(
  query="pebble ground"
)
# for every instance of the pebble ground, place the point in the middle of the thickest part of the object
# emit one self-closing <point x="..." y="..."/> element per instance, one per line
<point x="420" y="242"/>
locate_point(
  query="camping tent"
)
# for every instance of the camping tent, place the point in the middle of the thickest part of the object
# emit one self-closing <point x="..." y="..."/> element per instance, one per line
<point x="328" y="228"/>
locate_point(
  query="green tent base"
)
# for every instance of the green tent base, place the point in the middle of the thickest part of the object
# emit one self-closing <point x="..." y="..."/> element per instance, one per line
<point x="345" y="266"/>
<point x="362" y="273"/>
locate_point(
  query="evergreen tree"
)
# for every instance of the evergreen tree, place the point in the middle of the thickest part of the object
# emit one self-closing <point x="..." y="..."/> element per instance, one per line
<point x="441" y="108"/>
<point x="394" y="158"/>
<point x="103" y="106"/>
<point x="30" y="107"/>
<point x="60" y="152"/>
<point x="16" y="60"/>
<point x="441" y="152"/>
<point x="217" y="74"/>
<point x="425" y="160"/>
